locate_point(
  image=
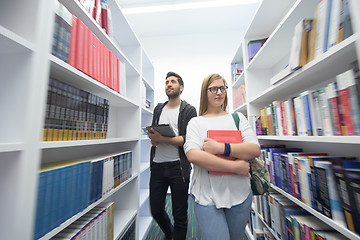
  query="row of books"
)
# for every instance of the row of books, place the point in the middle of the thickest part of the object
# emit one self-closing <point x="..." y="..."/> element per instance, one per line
<point x="288" y="221"/>
<point x="75" y="44"/>
<point x="330" y="110"/>
<point x="328" y="184"/>
<point x="74" y="114"/>
<point x="237" y="69"/>
<point x="239" y="96"/>
<point x="330" y="25"/>
<point x="68" y="187"/>
<point x="312" y="37"/>
<point x="98" y="223"/>
<point x="109" y="173"/>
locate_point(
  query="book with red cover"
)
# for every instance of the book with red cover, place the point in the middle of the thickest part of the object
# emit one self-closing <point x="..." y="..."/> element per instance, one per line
<point x="107" y="67"/>
<point x="347" y="126"/>
<point x="101" y="63"/>
<point x="97" y="11"/>
<point x="118" y="75"/>
<point x="73" y="39"/>
<point x="79" y="48"/>
<point x="112" y="70"/>
<point x="91" y="54"/>
<point x="225" y="136"/>
<point x="86" y="48"/>
<point x="333" y="99"/>
<point x="97" y="59"/>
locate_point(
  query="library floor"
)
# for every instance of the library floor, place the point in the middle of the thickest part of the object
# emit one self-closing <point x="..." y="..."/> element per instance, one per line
<point x="156" y="234"/>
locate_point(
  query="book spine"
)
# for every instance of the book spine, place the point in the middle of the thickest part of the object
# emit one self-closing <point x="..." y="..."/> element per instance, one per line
<point x="333" y="99"/>
<point x="347" y="127"/>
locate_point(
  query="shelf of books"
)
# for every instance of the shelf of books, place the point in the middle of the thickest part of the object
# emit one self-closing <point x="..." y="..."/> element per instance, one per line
<point x="302" y="82"/>
<point x="72" y="150"/>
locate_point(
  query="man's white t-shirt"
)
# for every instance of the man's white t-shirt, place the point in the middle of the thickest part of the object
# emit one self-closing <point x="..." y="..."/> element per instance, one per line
<point x="166" y="152"/>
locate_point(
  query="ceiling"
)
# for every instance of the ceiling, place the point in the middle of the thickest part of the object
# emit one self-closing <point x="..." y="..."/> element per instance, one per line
<point x="187" y="17"/>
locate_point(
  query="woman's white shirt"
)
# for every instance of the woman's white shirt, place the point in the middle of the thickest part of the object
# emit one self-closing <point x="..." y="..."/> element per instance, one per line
<point x="224" y="191"/>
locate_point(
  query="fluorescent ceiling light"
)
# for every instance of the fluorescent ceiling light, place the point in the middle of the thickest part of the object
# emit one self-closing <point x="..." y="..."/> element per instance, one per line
<point x="184" y="6"/>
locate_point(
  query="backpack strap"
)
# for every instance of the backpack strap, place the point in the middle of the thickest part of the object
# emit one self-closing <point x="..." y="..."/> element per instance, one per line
<point x="236" y="119"/>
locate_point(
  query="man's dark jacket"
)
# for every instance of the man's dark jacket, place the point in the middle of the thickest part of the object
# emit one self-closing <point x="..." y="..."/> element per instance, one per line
<point x="186" y="112"/>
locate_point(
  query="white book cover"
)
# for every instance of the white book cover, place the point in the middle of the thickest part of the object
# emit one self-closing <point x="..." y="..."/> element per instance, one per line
<point x="300" y="117"/>
<point x="304" y="171"/>
<point x="308" y="106"/>
<point x="296" y="46"/>
<point x="288" y="117"/>
<point x="111" y="174"/>
<point x="354" y="99"/>
<point x="321" y="27"/>
<point x="334" y="22"/>
<point x="325" y="111"/>
<point x="104" y="176"/>
<point x="319" y="126"/>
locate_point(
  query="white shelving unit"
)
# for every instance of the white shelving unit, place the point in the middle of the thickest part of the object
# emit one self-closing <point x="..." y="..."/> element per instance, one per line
<point x="276" y="21"/>
<point x="26" y="29"/>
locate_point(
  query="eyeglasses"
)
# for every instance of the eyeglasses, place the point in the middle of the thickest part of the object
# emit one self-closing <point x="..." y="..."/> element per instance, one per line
<point x="216" y="89"/>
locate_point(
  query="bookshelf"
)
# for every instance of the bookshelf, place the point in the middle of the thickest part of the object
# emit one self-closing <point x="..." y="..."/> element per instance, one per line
<point x="26" y="34"/>
<point x="276" y="22"/>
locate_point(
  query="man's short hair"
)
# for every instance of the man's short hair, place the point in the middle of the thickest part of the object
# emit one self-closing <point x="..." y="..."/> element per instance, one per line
<point x="173" y="74"/>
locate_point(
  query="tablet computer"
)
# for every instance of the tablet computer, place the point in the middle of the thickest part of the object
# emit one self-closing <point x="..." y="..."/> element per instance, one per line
<point x="164" y="129"/>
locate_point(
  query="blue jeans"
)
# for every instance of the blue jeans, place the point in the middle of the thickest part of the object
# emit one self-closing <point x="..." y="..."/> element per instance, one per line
<point x="162" y="176"/>
<point x="223" y="223"/>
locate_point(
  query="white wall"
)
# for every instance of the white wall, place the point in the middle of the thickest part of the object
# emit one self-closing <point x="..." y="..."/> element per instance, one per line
<point x="193" y="57"/>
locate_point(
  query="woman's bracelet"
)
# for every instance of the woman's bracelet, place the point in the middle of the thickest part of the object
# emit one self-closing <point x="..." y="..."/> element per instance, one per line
<point x="227" y="149"/>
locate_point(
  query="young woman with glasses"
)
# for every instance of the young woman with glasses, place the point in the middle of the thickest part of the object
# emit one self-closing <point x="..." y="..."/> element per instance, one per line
<point x="222" y="203"/>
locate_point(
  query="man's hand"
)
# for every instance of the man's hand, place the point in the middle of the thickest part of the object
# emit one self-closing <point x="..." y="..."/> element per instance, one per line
<point x="213" y="147"/>
<point x="155" y="137"/>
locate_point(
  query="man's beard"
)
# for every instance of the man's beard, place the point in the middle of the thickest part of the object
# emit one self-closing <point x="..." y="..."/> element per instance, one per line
<point x="174" y="94"/>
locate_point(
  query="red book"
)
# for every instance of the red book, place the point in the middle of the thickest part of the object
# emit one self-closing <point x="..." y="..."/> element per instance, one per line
<point x="91" y="54"/>
<point x="86" y="49"/>
<point x="104" y="16"/>
<point x="113" y="76"/>
<point x="79" y="53"/>
<point x="101" y="63"/>
<point x="97" y="11"/>
<point x="97" y="59"/>
<point x="283" y="118"/>
<point x="107" y="67"/>
<point x="117" y="79"/>
<point x="347" y="125"/>
<point x="225" y="136"/>
<point x="72" y="44"/>
<point x="333" y="99"/>
<point x="111" y="69"/>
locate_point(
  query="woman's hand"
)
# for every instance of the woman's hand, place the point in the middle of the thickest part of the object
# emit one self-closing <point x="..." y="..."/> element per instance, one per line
<point x="213" y="147"/>
<point x="241" y="167"/>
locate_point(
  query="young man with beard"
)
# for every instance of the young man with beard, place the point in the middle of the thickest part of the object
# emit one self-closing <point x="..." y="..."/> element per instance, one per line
<point x="168" y="163"/>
